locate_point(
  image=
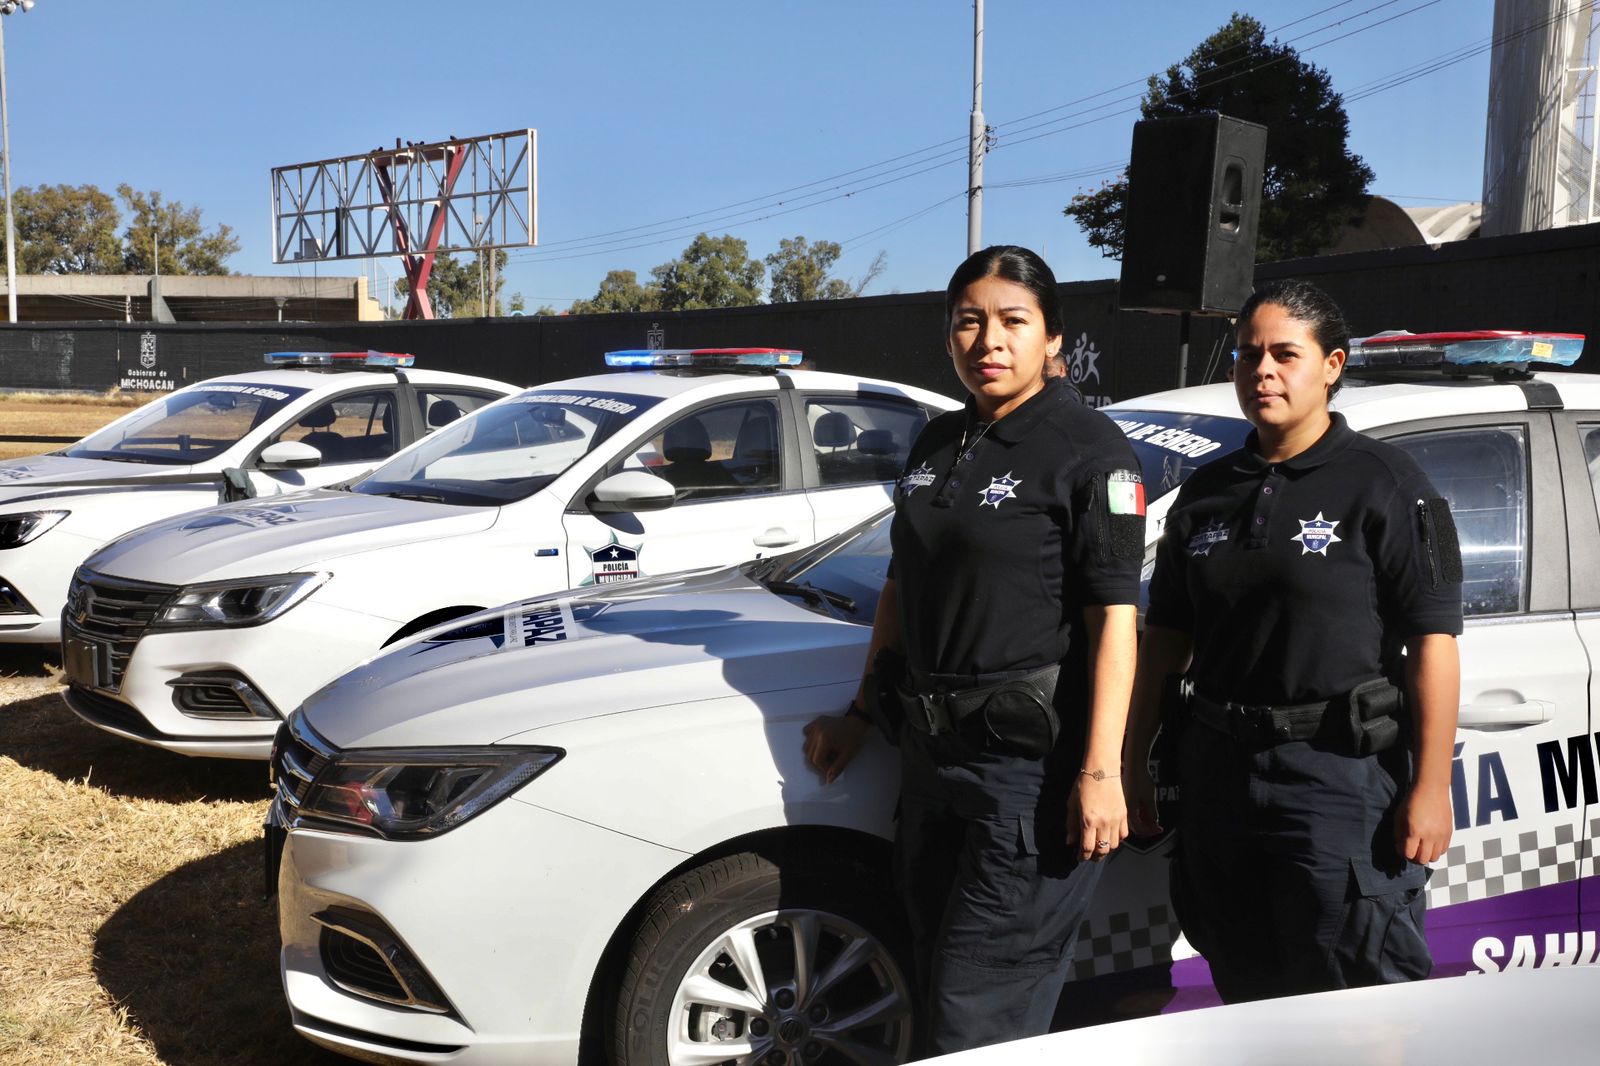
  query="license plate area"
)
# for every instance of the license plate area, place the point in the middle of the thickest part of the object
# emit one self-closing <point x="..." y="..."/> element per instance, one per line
<point x="88" y="663"/>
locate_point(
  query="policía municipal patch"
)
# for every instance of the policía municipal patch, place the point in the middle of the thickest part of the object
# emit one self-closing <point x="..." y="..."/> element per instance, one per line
<point x="612" y="562"/>
<point x="1000" y="490"/>
<point x="1208" y="537"/>
<point x="1316" y="535"/>
<point x="920" y="477"/>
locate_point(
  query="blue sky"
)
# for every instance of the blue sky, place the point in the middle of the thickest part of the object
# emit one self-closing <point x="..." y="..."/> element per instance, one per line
<point x="653" y="113"/>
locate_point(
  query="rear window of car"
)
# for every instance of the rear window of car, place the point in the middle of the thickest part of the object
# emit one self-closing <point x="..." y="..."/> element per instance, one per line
<point x="1171" y="445"/>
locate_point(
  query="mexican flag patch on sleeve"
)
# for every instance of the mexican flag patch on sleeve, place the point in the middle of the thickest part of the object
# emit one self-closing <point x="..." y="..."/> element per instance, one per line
<point x="1125" y="492"/>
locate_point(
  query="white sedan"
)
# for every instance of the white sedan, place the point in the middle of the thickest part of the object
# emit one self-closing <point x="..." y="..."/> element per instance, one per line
<point x="198" y="634"/>
<point x="316" y="419"/>
<point x="638" y="860"/>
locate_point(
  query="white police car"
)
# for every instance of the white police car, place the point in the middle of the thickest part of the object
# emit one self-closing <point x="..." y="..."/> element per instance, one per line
<point x="199" y="633"/>
<point x="284" y="429"/>
<point x="638" y="860"/>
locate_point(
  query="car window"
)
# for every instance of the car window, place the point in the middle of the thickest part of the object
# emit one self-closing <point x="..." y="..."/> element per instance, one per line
<point x="733" y="449"/>
<point x="190" y="426"/>
<point x="1483" y="473"/>
<point x="355" y="428"/>
<point x="1591" y="453"/>
<point x="1171" y="445"/>
<point x="859" y="441"/>
<point x="507" y="451"/>
<point x="440" y="407"/>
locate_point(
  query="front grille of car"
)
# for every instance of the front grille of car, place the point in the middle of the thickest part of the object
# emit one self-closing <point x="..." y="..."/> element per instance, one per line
<point x="113" y="713"/>
<point x="12" y="601"/>
<point x="364" y="957"/>
<point x="298" y="756"/>
<point x="113" y="610"/>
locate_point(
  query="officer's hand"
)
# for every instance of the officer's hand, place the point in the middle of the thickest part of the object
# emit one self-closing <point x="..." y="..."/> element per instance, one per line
<point x="1097" y="817"/>
<point x="832" y="741"/>
<point x="1423" y="824"/>
<point x="1139" y="790"/>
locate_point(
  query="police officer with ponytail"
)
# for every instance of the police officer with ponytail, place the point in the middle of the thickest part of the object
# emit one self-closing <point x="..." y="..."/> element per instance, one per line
<point x="1002" y="663"/>
<point x="1307" y="590"/>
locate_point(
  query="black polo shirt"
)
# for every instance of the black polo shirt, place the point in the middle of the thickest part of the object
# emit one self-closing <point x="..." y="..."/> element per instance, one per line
<point x="1301" y="579"/>
<point x="999" y="545"/>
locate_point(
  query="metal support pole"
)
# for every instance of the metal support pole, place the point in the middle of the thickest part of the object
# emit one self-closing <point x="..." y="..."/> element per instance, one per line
<point x="5" y="150"/>
<point x="1183" y="349"/>
<point x="977" y="137"/>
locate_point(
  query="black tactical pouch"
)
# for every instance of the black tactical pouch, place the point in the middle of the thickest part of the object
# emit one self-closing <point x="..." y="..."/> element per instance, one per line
<point x="882" y="694"/>
<point x="1374" y="715"/>
<point x="1020" y="716"/>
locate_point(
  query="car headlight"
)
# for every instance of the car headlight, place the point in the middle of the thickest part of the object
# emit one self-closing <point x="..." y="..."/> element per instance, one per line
<point x="405" y="794"/>
<point x="245" y="602"/>
<point x="18" y="529"/>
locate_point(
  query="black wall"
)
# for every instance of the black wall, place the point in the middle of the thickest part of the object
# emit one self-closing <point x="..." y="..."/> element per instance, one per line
<point x="1548" y="280"/>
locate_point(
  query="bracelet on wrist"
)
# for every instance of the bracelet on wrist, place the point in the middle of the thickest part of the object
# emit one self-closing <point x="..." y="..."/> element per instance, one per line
<point x="855" y="711"/>
<point x="1098" y="775"/>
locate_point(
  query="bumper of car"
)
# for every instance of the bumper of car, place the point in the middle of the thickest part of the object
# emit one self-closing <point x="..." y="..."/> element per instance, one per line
<point x="271" y="667"/>
<point x="503" y="920"/>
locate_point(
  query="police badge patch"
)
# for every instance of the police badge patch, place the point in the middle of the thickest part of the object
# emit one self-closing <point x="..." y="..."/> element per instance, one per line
<point x="613" y="562"/>
<point x="1209" y="536"/>
<point x="1316" y="535"/>
<point x="1000" y="489"/>
<point x="921" y="476"/>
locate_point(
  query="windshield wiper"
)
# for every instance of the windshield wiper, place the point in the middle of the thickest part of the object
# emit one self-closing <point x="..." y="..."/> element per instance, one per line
<point x="811" y="594"/>
<point x="420" y="497"/>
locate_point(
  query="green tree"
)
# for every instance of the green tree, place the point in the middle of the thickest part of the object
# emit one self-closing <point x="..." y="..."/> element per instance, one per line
<point x="712" y="272"/>
<point x="66" y="229"/>
<point x="544" y="310"/>
<point x="1314" y="184"/>
<point x="517" y="302"/>
<point x="800" y="271"/>
<point x="186" y="247"/>
<point x="619" y="291"/>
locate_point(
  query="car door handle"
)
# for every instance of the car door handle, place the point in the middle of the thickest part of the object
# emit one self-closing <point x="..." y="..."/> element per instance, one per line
<point x="775" y="537"/>
<point x="1479" y="716"/>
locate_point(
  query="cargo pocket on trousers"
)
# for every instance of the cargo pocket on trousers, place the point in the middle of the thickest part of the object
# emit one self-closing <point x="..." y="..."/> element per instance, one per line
<point x="1382" y="939"/>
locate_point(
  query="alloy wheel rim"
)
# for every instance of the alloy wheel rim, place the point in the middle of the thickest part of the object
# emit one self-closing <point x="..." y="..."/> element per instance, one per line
<point x="791" y="988"/>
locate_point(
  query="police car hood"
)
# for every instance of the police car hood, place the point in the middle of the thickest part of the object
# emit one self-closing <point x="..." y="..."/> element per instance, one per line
<point x="279" y="535"/>
<point x="501" y="675"/>
<point x="39" y="477"/>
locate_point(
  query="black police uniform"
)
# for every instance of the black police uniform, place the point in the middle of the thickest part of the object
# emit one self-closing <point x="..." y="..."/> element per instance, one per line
<point x="1300" y="581"/>
<point x="1003" y="532"/>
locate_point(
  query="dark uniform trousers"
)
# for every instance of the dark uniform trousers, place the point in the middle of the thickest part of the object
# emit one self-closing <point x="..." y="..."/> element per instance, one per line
<point x="1286" y="876"/>
<point x="993" y="893"/>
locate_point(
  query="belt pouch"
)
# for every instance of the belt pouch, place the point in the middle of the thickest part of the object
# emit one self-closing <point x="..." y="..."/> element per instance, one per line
<point x="1021" y="716"/>
<point x="1374" y="715"/>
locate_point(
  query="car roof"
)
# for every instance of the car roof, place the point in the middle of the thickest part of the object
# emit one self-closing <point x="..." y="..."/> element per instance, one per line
<point x="316" y="380"/>
<point x="1367" y="403"/>
<point x="667" y="384"/>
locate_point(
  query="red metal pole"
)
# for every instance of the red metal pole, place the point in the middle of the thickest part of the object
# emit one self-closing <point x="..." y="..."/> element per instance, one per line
<point x="420" y="267"/>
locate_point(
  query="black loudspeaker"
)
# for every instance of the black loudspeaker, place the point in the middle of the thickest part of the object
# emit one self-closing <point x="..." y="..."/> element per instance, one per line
<point x="1194" y="199"/>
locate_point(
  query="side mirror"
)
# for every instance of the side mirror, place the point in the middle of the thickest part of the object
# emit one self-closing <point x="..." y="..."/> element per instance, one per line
<point x="288" y="455"/>
<point x="632" y="490"/>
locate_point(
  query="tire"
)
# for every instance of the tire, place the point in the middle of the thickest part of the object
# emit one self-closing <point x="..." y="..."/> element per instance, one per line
<point x="713" y="967"/>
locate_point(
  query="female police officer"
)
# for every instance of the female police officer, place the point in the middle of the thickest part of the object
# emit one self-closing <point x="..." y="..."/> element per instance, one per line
<point x="1295" y="570"/>
<point x="1018" y="536"/>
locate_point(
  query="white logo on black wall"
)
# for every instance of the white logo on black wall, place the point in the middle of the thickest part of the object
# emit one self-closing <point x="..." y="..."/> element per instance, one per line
<point x="146" y="377"/>
<point x="1083" y="371"/>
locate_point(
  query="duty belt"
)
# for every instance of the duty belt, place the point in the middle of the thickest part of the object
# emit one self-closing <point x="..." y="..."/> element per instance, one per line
<point x="933" y="707"/>
<point x="1265" y="724"/>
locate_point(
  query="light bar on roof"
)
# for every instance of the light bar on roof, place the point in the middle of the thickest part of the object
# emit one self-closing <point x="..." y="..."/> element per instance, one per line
<point x="287" y="360"/>
<point x="1482" y="348"/>
<point x="705" y="357"/>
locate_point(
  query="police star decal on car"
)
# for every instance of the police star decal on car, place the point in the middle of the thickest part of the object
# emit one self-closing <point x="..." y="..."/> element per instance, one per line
<point x="1000" y="489"/>
<point x="1316" y="535"/>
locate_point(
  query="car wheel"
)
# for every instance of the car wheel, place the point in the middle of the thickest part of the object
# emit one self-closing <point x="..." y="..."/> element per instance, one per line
<point x="747" y="960"/>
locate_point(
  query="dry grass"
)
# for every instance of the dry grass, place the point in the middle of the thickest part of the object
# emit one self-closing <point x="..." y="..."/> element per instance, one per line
<point x="132" y="923"/>
<point x="58" y="415"/>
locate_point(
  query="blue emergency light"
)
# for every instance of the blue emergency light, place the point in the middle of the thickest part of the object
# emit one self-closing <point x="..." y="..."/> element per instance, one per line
<point x="311" y="360"/>
<point x="1464" y="352"/>
<point x="710" y="358"/>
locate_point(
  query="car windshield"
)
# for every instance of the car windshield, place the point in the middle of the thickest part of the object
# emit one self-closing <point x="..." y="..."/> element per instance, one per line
<point x="507" y="451"/>
<point x="1171" y="445"/>
<point x="190" y="426"/>
<point x="840" y="577"/>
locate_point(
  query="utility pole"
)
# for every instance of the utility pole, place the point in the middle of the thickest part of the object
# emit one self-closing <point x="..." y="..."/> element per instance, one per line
<point x="5" y="149"/>
<point x="978" y="137"/>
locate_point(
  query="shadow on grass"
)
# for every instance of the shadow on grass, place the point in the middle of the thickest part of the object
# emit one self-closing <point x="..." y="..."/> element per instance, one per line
<point x="41" y="733"/>
<point x="194" y="959"/>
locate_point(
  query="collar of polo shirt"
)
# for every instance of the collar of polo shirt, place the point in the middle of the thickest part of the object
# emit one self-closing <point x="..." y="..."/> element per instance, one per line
<point x="1014" y="426"/>
<point x="1327" y="446"/>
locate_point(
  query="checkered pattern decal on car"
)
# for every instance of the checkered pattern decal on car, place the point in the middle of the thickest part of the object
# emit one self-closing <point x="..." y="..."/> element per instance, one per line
<point x="1488" y="868"/>
<point x="1115" y="942"/>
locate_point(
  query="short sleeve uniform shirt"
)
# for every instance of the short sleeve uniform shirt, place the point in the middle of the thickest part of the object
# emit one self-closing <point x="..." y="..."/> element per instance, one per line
<point x="1004" y="531"/>
<point x="1301" y="579"/>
